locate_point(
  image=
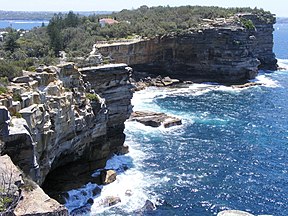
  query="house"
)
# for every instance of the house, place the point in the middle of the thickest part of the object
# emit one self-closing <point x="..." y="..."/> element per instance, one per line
<point x="107" y="21"/>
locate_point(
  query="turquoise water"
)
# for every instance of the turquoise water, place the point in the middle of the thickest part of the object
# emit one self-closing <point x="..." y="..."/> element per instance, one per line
<point x="230" y="153"/>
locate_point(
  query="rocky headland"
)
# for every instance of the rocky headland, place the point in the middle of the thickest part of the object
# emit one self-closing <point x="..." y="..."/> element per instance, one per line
<point x="67" y="121"/>
<point x="223" y="50"/>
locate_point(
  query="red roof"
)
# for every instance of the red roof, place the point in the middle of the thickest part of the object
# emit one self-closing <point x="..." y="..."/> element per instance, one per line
<point x="108" y="21"/>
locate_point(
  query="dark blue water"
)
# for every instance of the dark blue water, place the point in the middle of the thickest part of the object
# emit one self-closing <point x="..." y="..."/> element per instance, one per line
<point x="21" y="24"/>
<point x="230" y="153"/>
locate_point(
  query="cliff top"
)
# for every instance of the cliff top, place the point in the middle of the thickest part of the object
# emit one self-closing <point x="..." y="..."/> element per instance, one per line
<point x="103" y="67"/>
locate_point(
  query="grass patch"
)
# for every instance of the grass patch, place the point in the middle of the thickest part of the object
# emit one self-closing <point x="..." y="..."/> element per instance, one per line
<point x="93" y="97"/>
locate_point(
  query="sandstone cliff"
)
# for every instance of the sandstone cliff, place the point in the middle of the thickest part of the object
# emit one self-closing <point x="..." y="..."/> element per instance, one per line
<point x="68" y="115"/>
<point x="224" y="50"/>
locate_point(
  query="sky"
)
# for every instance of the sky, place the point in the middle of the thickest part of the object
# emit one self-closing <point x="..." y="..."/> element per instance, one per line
<point x="278" y="7"/>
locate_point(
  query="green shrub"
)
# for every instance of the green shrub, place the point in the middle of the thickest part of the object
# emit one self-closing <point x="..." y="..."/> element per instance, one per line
<point x="18" y="115"/>
<point x="4" y="81"/>
<point x="9" y="69"/>
<point x="3" y="90"/>
<point x="3" y="85"/>
<point x="106" y="61"/>
<point x="17" y="97"/>
<point x="247" y="23"/>
<point x="31" y="68"/>
<point x="93" y="97"/>
<point x="5" y="202"/>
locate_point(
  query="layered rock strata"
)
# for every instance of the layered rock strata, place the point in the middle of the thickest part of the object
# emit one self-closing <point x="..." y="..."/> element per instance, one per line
<point x="154" y="119"/>
<point x="263" y="46"/>
<point x="223" y="50"/>
<point x="67" y="117"/>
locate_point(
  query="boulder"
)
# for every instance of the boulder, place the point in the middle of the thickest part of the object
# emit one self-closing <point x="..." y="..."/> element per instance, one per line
<point x="108" y="201"/>
<point x="121" y="150"/>
<point x="108" y="176"/>
<point x="111" y="200"/>
<point x="148" y="206"/>
<point x="146" y="209"/>
<point x="155" y="119"/>
<point x="96" y="191"/>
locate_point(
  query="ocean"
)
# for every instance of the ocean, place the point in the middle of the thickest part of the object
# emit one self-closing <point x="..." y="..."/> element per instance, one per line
<point x="22" y="24"/>
<point x="229" y="153"/>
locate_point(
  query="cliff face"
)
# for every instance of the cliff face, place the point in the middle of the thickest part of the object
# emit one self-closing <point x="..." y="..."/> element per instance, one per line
<point x="223" y="50"/>
<point x="263" y="46"/>
<point x="62" y="125"/>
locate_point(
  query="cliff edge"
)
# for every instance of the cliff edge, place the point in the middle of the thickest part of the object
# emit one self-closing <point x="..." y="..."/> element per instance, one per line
<point x="65" y="117"/>
<point x="223" y="50"/>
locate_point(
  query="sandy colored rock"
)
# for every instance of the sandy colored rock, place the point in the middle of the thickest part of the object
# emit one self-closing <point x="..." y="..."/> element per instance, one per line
<point x="36" y="202"/>
<point x="33" y="199"/>
<point x="155" y="119"/>
<point x="108" y="176"/>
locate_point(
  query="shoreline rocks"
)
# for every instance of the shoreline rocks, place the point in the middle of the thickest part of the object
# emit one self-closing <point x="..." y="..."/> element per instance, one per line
<point x="154" y="119"/>
<point x="157" y="82"/>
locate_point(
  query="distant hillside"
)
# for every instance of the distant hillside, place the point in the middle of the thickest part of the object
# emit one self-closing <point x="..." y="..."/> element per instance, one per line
<point x="41" y="15"/>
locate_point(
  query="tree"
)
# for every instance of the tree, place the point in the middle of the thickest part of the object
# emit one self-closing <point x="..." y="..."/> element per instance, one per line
<point x="54" y="31"/>
<point x="71" y="20"/>
<point x="10" y="41"/>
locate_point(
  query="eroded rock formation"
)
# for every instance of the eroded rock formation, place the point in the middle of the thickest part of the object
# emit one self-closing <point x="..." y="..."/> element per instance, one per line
<point x="223" y="50"/>
<point x="68" y="116"/>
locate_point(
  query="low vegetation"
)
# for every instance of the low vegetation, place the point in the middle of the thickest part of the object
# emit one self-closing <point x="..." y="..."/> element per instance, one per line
<point x="3" y="85"/>
<point x="92" y="97"/>
<point x="9" y="198"/>
<point x="247" y="23"/>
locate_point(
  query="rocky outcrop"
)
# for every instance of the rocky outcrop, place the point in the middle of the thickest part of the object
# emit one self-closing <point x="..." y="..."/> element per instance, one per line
<point x="70" y="119"/>
<point x="223" y="51"/>
<point x="154" y="119"/>
<point x="112" y="83"/>
<point x="25" y="197"/>
<point x="263" y="36"/>
<point x="108" y="176"/>
<point x="158" y="82"/>
<point x="108" y="201"/>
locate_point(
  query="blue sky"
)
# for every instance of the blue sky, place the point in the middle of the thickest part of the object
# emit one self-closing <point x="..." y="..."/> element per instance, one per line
<point x="279" y="7"/>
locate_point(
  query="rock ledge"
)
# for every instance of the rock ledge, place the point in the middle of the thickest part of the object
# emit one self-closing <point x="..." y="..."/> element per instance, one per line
<point x="155" y="119"/>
